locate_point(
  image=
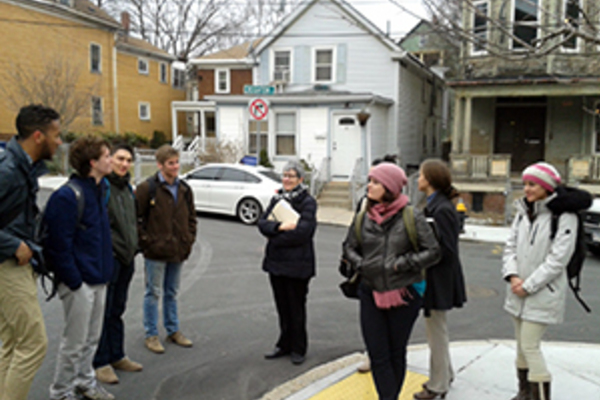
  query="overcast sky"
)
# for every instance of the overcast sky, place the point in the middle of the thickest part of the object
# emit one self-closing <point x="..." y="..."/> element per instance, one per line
<point x="381" y="11"/>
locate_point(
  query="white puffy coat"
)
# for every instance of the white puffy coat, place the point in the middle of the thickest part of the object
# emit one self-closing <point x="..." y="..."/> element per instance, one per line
<point x="540" y="262"/>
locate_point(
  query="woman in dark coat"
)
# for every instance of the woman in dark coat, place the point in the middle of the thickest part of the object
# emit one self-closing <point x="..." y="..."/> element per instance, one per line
<point x="391" y="270"/>
<point x="290" y="262"/>
<point x="445" y="284"/>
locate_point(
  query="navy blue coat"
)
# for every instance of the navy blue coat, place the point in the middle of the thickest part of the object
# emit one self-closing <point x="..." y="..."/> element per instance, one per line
<point x="18" y="190"/>
<point x="291" y="253"/>
<point x="445" y="282"/>
<point x="79" y="252"/>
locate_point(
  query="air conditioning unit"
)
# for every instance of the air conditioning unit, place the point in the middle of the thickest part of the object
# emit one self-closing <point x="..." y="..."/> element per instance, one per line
<point x="281" y="75"/>
<point x="279" y="86"/>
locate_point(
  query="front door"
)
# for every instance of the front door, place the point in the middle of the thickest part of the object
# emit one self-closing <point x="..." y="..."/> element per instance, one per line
<point x="345" y="146"/>
<point x="520" y="131"/>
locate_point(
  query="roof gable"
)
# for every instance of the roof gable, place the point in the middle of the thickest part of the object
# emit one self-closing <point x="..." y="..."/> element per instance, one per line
<point x="361" y="22"/>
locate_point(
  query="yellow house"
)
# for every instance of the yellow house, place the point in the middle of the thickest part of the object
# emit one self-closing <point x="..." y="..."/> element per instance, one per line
<point x="74" y="57"/>
<point x="147" y="84"/>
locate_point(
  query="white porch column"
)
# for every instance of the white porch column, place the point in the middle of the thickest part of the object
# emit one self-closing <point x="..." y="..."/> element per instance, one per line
<point x="458" y="123"/>
<point x="173" y="122"/>
<point x="203" y="129"/>
<point x="466" y="147"/>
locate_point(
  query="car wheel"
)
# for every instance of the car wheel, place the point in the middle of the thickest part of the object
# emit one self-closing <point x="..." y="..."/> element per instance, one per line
<point x="249" y="211"/>
<point x="594" y="249"/>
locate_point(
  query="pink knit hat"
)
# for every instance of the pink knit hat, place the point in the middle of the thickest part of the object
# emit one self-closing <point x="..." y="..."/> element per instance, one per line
<point x="391" y="176"/>
<point x="543" y="174"/>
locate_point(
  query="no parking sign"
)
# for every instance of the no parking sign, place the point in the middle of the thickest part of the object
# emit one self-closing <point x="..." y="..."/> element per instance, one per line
<point x="258" y="109"/>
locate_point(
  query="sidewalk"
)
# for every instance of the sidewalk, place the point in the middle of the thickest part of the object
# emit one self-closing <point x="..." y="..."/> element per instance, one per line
<point x="484" y="371"/>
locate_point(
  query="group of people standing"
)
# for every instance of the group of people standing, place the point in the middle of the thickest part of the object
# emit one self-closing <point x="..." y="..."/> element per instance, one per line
<point x="407" y="259"/>
<point x="93" y="226"/>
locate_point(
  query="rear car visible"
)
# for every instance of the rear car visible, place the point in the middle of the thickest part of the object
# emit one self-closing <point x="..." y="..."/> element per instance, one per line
<point x="591" y="225"/>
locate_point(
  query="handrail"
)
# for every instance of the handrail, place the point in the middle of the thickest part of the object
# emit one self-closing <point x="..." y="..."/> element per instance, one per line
<point x="357" y="182"/>
<point x="320" y="177"/>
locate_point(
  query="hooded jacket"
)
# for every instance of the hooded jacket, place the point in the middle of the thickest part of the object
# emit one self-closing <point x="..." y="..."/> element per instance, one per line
<point x="18" y="191"/>
<point x="123" y="220"/>
<point x="541" y="262"/>
<point x="385" y="256"/>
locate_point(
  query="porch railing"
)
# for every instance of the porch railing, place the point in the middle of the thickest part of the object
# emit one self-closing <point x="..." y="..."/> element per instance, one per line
<point x="475" y="166"/>
<point x="320" y="177"/>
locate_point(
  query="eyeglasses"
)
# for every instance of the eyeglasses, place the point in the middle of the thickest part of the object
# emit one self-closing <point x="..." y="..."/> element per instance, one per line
<point x="290" y="176"/>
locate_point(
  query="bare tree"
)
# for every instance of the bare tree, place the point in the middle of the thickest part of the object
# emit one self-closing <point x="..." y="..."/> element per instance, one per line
<point x="55" y="85"/>
<point x="192" y="28"/>
<point x="553" y="28"/>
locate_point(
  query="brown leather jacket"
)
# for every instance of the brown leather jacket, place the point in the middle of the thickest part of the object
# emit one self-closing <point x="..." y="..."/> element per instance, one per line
<point x="167" y="231"/>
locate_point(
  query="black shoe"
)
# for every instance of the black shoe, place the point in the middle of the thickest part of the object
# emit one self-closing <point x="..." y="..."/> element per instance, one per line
<point x="297" y="359"/>
<point x="276" y="353"/>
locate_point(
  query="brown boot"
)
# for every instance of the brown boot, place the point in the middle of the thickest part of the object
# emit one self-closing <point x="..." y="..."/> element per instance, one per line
<point x="524" y="388"/>
<point x="179" y="339"/>
<point x="154" y="345"/>
<point x="125" y="364"/>
<point x="106" y="374"/>
<point x="540" y="390"/>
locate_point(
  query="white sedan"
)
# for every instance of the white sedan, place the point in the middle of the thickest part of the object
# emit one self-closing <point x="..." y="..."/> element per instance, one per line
<point x="233" y="189"/>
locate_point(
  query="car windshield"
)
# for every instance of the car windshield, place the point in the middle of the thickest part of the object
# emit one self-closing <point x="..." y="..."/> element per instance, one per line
<point x="271" y="175"/>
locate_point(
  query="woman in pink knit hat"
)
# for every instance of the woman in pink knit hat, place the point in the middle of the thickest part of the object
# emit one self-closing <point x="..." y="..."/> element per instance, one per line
<point x="534" y="267"/>
<point x="391" y="271"/>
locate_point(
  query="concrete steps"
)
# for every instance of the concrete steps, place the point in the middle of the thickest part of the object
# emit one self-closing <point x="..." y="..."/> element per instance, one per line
<point x="336" y="195"/>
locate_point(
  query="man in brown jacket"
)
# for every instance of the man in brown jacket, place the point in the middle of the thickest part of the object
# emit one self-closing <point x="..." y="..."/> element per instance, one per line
<point x="167" y="230"/>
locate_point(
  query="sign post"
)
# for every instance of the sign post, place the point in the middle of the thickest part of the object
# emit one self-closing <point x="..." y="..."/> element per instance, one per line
<point x="258" y="109"/>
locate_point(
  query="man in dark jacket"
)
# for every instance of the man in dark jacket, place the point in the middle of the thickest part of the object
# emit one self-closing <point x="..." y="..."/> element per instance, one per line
<point x="122" y="216"/>
<point x="78" y="248"/>
<point x="22" y="330"/>
<point x="167" y="231"/>
<point x="290" y="262"/>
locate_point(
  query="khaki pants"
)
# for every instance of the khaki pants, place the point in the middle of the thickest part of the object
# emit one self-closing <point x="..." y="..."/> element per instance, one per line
<point x="529" y="355"/>
<point x="22" y="330"/>
<point x="440" y="366"/>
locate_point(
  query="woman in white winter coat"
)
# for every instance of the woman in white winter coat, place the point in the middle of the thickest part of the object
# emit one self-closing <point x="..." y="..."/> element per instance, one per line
<point x="534" y="265"/>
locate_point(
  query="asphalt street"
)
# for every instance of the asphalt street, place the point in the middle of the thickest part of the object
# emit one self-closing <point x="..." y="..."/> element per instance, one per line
<point x="226" y="308"/>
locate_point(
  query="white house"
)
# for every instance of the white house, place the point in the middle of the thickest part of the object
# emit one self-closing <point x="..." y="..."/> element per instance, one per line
<point x="345" y="95"/>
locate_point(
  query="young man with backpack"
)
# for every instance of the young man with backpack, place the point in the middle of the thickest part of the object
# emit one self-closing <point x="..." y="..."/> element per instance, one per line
<point x="121" y="212"/>
<point x="22" y="330"/>
<point x="535" y="261"/>
<point x="167" y="231"/>
<point x="78" y="249"/>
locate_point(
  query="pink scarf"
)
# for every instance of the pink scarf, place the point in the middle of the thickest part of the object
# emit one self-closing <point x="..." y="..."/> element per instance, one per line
<point x="392" y="298"/>
<point x="382" y="211"/>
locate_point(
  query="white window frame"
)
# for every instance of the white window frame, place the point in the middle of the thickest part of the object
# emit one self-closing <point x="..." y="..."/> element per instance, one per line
<point x="274" y="154"/>
<point x="218" y="72"/>
<point x="272" y="63"/>
<point x="99" y="47"/>
<point x="266" y="132"/>
<point x="173" y="80"/>
<point x="577" y="38"/>
<point x="313" y="64"/>
<point x="160" y="69"/>
<point x="141" y="71"/>
<point x="101" y="102"/>
<point x="512" y="23"/>
<point x="472" y="49"/>
<point x="147" y="105"/>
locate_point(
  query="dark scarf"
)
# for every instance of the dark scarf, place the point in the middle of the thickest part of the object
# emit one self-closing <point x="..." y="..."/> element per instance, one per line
<point x="292" y="194"/>
<point x="119" y="181"/>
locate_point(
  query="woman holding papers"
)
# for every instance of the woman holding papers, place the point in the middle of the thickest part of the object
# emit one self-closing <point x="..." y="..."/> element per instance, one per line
<point x="289" y="224"/>
<point x="391" y="268"/>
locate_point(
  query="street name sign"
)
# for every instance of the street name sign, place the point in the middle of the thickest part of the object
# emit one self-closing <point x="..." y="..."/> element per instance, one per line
<point x="259" y="90"/>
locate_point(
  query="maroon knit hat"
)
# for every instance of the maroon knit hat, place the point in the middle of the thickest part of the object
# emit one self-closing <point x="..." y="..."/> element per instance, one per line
<point x="391" y="176"/>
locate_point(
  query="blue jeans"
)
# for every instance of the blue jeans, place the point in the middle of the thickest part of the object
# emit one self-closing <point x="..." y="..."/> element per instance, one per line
<point x="161" y="275"/>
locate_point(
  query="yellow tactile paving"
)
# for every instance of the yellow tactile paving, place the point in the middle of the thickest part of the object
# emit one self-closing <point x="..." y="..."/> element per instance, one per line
<point x="360" y="387"/>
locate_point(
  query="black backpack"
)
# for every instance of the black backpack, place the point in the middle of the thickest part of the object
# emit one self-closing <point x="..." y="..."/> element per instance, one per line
<point x="577" y="202"/>
<point x="575" y="264"/>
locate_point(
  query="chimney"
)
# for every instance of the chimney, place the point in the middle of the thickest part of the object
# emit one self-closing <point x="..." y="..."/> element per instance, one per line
<point x="125" y="22"/>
